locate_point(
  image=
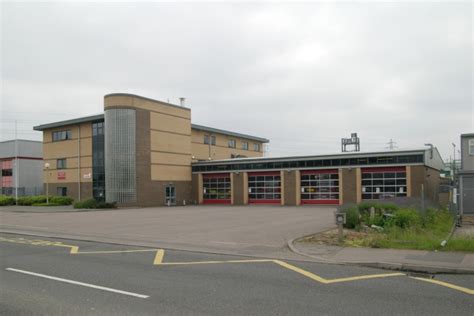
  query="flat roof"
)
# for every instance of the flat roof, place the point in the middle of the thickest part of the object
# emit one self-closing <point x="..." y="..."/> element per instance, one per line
<point x="312" y="157"/>
<point x="98" y="117"/>
<point x="79" y="120"/>
<point x="222" y="131"/>
<point x="467" y="135"/>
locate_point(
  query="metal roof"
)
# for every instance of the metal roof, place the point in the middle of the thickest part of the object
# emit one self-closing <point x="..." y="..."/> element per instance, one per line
<point x="79" y="120"/>
<point x="98" y="117"/>
<point x="221" y="131"/>
<point x="311" y="157"/>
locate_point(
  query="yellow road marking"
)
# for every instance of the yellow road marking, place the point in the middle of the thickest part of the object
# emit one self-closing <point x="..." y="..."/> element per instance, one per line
<point x="159" y="256"/>
<point x="158" y="260"/>
<point x="215" y="262"/>
<point x="446" y="284"/>
<point x="116" y="251"/>
<point x="317" y="278"/>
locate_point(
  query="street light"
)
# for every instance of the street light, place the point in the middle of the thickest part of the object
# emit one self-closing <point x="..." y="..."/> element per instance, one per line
<point x="46" y="166"/>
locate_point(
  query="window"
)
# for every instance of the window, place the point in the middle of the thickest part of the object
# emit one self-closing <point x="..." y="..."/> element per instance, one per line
<point x="61" y="191"/>
<point x="7" y="172"/>
<point x="245" y="146"/>
<point x="98" y="128"/>
<point x="62" y="135"/>
<point x="61" y="164"/>
<point x="256" y="147"/>
<point x="383" y="184"/>
<point x="206" y="139"/>
<point x="231" y="143"/>
<point x="471" y="147"/>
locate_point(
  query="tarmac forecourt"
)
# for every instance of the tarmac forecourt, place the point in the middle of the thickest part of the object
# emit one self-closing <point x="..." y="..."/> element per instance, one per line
<point x="158" y="260"/>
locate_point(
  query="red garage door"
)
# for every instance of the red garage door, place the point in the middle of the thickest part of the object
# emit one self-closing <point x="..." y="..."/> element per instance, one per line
<point x="264" y="187"/>
<point x="320" y="187"/>
<point x="216" y="188"/>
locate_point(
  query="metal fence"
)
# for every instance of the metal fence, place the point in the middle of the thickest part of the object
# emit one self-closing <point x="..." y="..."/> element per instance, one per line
<point x="22" y="191"/>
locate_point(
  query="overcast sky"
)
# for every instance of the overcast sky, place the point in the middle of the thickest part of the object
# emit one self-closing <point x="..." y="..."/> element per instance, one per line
<point x="301" y="75"/>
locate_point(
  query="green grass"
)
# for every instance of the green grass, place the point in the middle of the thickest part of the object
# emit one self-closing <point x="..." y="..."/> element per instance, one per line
<point x="412" y="230"/>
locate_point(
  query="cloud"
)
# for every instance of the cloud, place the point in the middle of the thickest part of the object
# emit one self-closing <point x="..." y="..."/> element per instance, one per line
<point x="303" y="75"/>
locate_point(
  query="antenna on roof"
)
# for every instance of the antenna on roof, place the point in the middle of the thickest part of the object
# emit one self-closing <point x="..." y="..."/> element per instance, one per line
<point x="182" y="101"/>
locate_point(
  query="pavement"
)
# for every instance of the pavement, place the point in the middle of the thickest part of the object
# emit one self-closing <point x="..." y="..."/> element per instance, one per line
<point x="49" y="276"/>
<point x="256" y="231"/>
<point x="395" y="259"/>
<point x="243" y="230"/>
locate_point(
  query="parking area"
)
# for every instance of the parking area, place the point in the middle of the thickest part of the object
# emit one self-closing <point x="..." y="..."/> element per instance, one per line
<point x="255" y="230"/>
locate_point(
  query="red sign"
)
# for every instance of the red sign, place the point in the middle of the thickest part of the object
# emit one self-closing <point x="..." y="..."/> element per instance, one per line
<point x="61" y="175"/>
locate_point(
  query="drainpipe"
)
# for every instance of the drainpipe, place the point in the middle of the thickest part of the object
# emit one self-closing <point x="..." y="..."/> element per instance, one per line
<point x="79" y="162"/>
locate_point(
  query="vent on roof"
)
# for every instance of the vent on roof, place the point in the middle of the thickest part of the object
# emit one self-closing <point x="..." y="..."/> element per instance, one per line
<point x="182" y="101"/>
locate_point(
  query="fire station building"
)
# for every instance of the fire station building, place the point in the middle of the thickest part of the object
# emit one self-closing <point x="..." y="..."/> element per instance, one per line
<point x="144" y="152"/>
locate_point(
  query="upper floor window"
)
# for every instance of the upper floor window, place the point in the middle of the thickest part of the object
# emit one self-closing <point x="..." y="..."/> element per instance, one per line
<point x="61" y="163"/>
<point x="256" y="147"/>
<point x="98" y="128"/>
<point x="471" y="147"/>
<point x="245" y="145"/>
<point x="231" y="143"/>
<point x="206" y="139"/>
<point x="62" y="135"/>
<point x="213" y="140"/>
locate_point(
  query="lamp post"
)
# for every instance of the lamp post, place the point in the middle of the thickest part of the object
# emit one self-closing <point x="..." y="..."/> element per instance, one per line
<point x="46" y="166"/>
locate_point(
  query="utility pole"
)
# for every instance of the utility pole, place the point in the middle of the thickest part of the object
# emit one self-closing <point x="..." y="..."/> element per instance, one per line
<point x="454" y="159"/>
<point x="391" y="145"/>
<point x="17" y="167"/>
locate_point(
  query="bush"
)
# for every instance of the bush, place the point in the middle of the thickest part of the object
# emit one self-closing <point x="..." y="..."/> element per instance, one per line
<point x="61" y="200"/>
<point x="352" y="217"/>
<point x="106" y="205"/>
<point x="91" y="203"/>
<point x="30" y="200"/>
<point x="405" y="218"/>
<point x="6" y="200"/>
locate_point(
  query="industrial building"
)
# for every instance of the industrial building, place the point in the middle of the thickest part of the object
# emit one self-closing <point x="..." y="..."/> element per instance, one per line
<point x="466" y="176"/>
<point x="21" y="163"/>
<point x="147" y="152"/>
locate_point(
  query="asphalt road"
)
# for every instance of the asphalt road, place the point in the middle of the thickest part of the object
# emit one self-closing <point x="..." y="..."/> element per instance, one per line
<point x="40" y="276"/>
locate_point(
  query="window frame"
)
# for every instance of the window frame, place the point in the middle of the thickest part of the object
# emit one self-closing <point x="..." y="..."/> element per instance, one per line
<point x="232" y="143"/>
<point x="206" y="139"/>
<point x="470" y="147"/>
<point x="256" y="147"/>
<point x="245" y="145"/>
<point x="58" y="136"/>
<point x="61" y="163"/>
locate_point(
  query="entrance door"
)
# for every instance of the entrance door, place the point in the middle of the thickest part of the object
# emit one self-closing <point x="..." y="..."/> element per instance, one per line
<point x="468" y="194"/>
<point x="170" y="197"/>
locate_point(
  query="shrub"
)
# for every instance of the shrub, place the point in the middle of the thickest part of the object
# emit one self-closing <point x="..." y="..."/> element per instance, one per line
<point x="61" y="200"/>
<point x="46" y="204"/>
<point x="352" y="217"/>
<point x="6" y="200"/>
<point x="90" y="203"/>
<point x="365" y="206"/>
<point x="106" y="205"/>
<point x="405" y="218"/>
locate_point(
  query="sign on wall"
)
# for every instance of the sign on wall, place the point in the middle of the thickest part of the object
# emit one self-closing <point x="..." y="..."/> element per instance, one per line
<point x="61" y="175"/>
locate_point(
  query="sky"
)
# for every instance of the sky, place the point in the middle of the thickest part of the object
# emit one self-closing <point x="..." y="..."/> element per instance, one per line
<point x="303" y="75"/>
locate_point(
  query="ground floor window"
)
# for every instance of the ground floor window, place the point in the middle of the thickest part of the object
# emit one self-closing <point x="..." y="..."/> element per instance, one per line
<point x="320" y="187"/>
<point x="61" y="191"/>
<point x="216" y="188"/>
<point x="383" y="183"/>
<point x="264" y="187"/>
